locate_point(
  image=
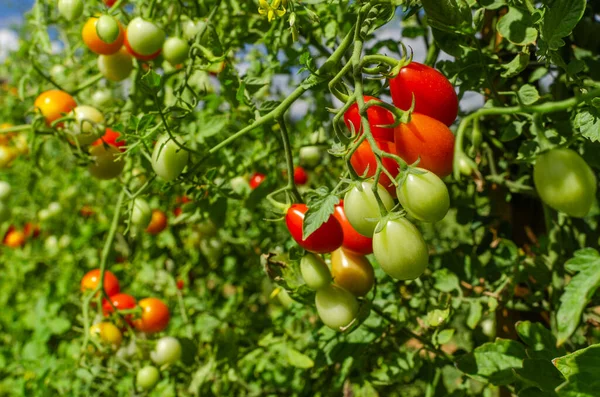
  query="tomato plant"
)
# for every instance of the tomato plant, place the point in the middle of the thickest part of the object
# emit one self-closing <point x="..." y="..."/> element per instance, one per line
<point x="144" y="39"/>
<point x="175" y="50"/>
<point x="119" y="301"/>
<point x="328" y="237"/>
<point x="256" y="179"/>
<point x="300" y="176"/>
<point x="365" y="164"/>
<point x="155" y="316"/>
<point x="107" y="333"/>
<point x="106" y="163"/>
<point x="87" y="124"/>
<point x="112" y="138"/>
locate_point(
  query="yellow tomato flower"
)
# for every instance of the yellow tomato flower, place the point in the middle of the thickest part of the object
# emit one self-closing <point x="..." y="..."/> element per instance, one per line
<point x="276" y="8"/>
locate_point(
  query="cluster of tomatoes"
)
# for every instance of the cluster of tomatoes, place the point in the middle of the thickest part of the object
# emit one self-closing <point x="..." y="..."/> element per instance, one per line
<point x="362" y="223"/>
<point x="148" y="316"/>
<point x="300" y="177"/>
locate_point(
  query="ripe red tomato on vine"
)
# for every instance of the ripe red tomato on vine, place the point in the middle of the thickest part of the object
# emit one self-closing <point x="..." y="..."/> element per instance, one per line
<point x="353" y="240"/>
<point x="300" y="176"/>
<point x="256" y="179"/>
<point x="155" y="316"/>
<point x="111" y="137"/>
<point x="328" y="237"/>
<point x="92" y="278"/>
<point x="365" y="164"/>
<point x="377" y="116"/>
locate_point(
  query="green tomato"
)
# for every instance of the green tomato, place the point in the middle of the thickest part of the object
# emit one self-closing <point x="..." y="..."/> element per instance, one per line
<point x="314" y="271"/>
<point x="362" y="210"/>
<point x="70" y="9"/>
<point x="310" y="156"/>
<point x="336" y="306"/>
<point x="107" y="164"/>
<point x="4" y="212"/>
<point x="117" y="66"/>
<point x="54" y="208"/>
<point x="107" y="29"/>
<point x="424" y="196"/>
<point x="168" y="159"/>
<point x="565" y="182"/>
<point x="192" y="28"/>
<point x="141" y="213"/>
<point x="167" y="351"/>
<point x="5" y="190"/>
<point x="102" y="98"/>
<point x="88" y="124"/>
<point x="400" y="249"/>
<point x="175" y="50"/>
<point x="144" y="37"/>
<point x="284" y="298"/>
<point x="147" y="377"/>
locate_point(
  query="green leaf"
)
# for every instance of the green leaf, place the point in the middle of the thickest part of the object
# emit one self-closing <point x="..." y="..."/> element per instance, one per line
<point x="512" y="130"/>
<point x="297" y="359"/>
<point x="581" y="370"/>
<point x="437" y="317"/>
<point x="516" y="66"/>
<point x="528" y="94"/>
<point x="151" y="81"/>
<point x="445" y="336"/>
<point x="541" y="374"/>
<point x="475" y="312"/>
<point x="587" y="121"/>
<point x="492" y="4"/>
<point x="448" y="15"/>
<point x="578" y="292"/>
<point x="320" y="209"/>
<point x="517" y="27"/>
<point x="559" y="20"/>
<point x="493" y="362"/>
<point x="539" y="339"/>
<point x="445" y="280"/>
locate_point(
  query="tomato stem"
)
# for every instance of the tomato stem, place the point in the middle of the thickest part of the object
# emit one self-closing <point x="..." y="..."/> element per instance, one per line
<point x="289" y="160"/>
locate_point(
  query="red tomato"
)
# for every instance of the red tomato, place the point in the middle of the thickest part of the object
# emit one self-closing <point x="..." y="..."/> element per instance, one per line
<point x="181" y="200"/>
<point x="377" y="116"/>
<point x="14" y="238"/>
<point x="256" y="179"/>
<point x="86" y="211"/>
<point x="300" y="176"/>
<point x="180" y="284"/>
<point x="326" y="238"/>
<point x="111" y="137"/>
<point x="353" y="240"/>
<point x="158" y="223"/>
<point x="434" y="94"/>
<point x="120" y="301"/>
<point x="31" y="230"/>
<point x="92" y="278"/>
<point x="109" y="3"/>
<point x="428" y="139"/>
<point x="364" y="159"/>
<point x="155" y="316"/>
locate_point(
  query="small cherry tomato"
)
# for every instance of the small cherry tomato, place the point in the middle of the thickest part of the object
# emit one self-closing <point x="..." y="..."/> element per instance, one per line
<point x="147" y="377"/>
<point x="120" y="301"/>
<point x="107" y="333"/>
<point x="92" y="278"/>
<point x="87" y="126"/>
<point x="54" y="104"/>
<point x="377" y="116"/>
<point x="314" y="271"/>
<point x="424" y="196"/>
<point x="426" y="139"/>
<point x="111" y="138"/>
<point x="168" y="159"/>
<point x="180" y="284"/>
<point x="434" y="94"/>
<point x="70" y="9"/>
<point x="144" y="39"/>
<point x="107" y="164"/>
<point x="353" y="240"/>
<point x="95" y="43"/>
<point x="337" y="307"/>
<point x="328" y="237"/>
<point x="310" y="156"/>
<point x="167" y="351"/>
<point x="117" y="66"/>
<point x="86" y="211"/>
<point x="175" y="50"/>
<point x="180" y="200"/>
<point x="362" y="209"/>
<point x="365" y="164"/>
<point x="141" y="213"/>
<point x="155" y="316"/>
<point x="300" y="176"/>
<point x="400" y="250"/>
<point x="256" y="179"/>
<point x="158" y="222"/>
<point x="14" y="238"/>
<point x="352" y="272"/>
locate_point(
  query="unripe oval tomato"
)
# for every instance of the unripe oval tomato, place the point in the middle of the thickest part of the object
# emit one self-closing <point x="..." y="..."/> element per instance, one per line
<point x="155" y="316"/>
<point x="107" y="333"/>
<point x="352" y="272"/>
<point x="95" y="43"/>
<point x="53" y="104"/>
<point x="144" y="38"/>
<point x="70" y="9"/>
<point x="147" y="377"/>
<point x="310" y="156"/>
<point x="175" y="50"/>
<point x="314" y="271"/>
<point x="400" y="250"/>
<point x="5" y="212"/>
<point x="168" y="159"/>
<point x="14" y="238"/>
<point x="5" y="190"/>
<point x="424" y="196"/>
<point x="565" y="182"/>
<point x="328" y="237"/>
<point x="256" y="179"/>
<point x="87" y="126"/>
<point x="300" y="176"/>
<point x="141" y="213"/>
<point x="428" y="139"/>
<point x="106" y="162"/>
<point x="117" y="66"/>
<point x="434" y="94"/>
<point x="362" y="209"/>
<point x="377" y="117"/>
<point x="353" y="240"/>
<point x="111" y="138"/>
<point x="365" y="164"/>
<point x="158" y="222"/>
<point x="92" y="278"/>
<point x="167" y="351"/>
<point x="336" y="306"/>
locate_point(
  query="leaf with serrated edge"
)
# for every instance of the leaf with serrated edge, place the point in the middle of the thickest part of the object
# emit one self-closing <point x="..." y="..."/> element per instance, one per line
<point x="581" y="370"/>
<point x="319" y="211"/>
<point x="493" y="362"/>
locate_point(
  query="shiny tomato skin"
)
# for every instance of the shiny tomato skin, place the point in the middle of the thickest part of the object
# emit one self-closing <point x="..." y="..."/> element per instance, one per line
<point x="175" y="50"/>
<point x="107" y="333"/>
<point x="167" y="351"/>
<point x="365" y="164"/>
<point x="85" y="128"/>
<point x="336" y="307"/>
<point x="106" y="163"/>
<point x="424" y="196"/>
<point x="300" y="176"/>
<point x="256" y="179"/>
<point x="352" y="272"/>
<point x="116" y="67"/>
<point x="168" y="158"/>
<point x="92" y="278"/>
<point x="111" y="137"/>
<point x="361" y="207"/>
<point x="120" y="301"/>
<point x="53" y="104"/>
<point x="155" y="316"/>
<point x="95" y="44"/>
<point x="314" y="271"/>
<point x="353" y="240"/>
<point x="434" y="94"/>
<point x="428" y="139"/>
<point x="143" y="39"/>
<point x="147" y="377"/>
<point x="377" y="116"/>
<point x="326" y="238"/>
<point x="158" y="222"/>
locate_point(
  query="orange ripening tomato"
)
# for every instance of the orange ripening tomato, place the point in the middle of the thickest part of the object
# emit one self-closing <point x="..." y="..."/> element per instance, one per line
<point x="158" y="223"/>
<point x="92" y="278"/>
<point x="14" y="238"/>
<point x="53" y="104"/>
<point x="111" y="137"/>
<point x="353" y="240"/>
<point x="426" y="139"/>
<point x="155" y="316"/>
<point x="377" y="116"/>
<point x="352" y="272"/>
<point x="363" y="160"/>
<point x="95" y="44"/>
